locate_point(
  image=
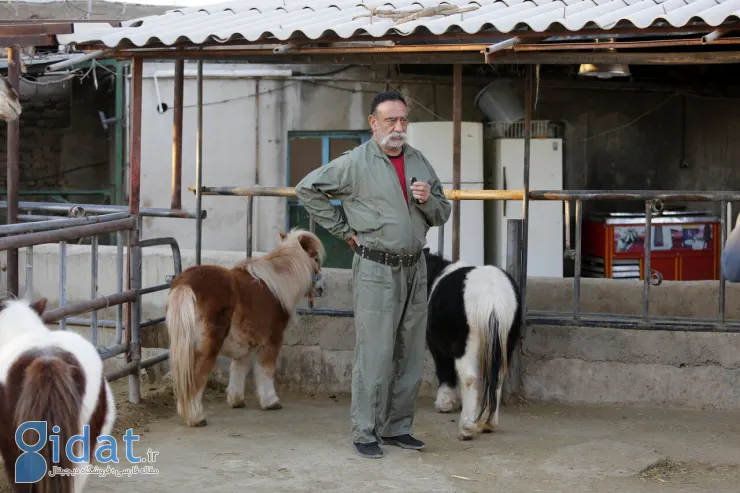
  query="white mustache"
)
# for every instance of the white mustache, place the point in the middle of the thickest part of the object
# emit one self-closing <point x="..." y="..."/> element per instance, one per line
<point x="392" y="136"/>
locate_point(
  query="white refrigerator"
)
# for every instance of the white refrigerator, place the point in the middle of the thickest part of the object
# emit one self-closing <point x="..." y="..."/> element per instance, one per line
<point x="505" y="160"/>
<point x="434" y="140"/>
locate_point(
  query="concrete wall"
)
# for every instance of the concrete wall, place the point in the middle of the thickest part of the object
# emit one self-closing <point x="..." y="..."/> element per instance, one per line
<point x="556" y="364"/>
<point x="229" y="139"/>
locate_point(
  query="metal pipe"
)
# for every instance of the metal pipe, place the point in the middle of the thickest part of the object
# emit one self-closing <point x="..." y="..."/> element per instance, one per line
<point x="612" y="195"/>
<point x="662" y="43"/>
<point x="77" y="59"/>
<point x="65" y="311"/>
<point x="154" y="289"/>
<point x="66" y="234"/>
<point x="632" y="323"/>
<point x="577" y="269"/>
<point x="109" y="352"/>
<point x="12" y="167"/>
<point x="456" y="156"/>
<point x="62" y="280"/>
<point x="514" y="248"/>
<point x="250" y="225"/>
<point x="176" y="200"/>
<point x="51" y="224"/>
<point x="723" y="239"/>
<point x="102" y="209"/>
<point x="647" y="244"/>
<point x="715" y="35"/>
<point x="441" y="241"/>
<point x="502" y="45"/>
<point x="525" y="192"/>
<point x="94" y="289"/>
<point x="130" y="368"/>
<point x="134" y="380"/>
<point x="29" y="273"/>
<point x="119" y="285"/>
<point x="199" y="167"/>
<point x="164" y="241"/>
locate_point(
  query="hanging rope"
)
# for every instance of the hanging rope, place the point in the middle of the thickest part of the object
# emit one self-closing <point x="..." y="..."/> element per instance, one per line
<point x="403" y="16"/>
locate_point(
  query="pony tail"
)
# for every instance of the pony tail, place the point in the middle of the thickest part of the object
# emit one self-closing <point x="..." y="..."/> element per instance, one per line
<point x="50" y="393"/>
<point x="492" y="363"/>
<point x="180" y="320"/>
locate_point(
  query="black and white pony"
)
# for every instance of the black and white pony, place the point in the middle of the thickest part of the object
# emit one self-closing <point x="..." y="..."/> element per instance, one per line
<point x="474" y="323"/>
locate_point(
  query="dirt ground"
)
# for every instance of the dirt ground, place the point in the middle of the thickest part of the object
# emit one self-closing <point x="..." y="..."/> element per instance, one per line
<point x="539" y="449"/>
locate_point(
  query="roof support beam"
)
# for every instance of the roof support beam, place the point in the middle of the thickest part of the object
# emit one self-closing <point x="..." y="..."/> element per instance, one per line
<point x="470" y="57"/>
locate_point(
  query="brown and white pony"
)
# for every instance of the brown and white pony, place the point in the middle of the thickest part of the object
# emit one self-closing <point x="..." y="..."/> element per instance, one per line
<point x="10" y="105"/>
<point x="52" y="376"/>
<point x="237" y="312"/>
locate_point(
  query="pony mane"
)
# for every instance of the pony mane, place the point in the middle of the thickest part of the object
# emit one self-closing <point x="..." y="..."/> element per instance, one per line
<point x="288" y="270"/>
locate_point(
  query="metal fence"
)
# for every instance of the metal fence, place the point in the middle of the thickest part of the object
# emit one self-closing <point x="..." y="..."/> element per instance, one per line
<point x="84" y="221"/>
<point x="517" y="251"/>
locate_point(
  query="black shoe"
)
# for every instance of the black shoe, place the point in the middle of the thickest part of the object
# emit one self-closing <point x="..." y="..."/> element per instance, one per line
<point x="404" y="441"/>
<point x="369" y="450"/>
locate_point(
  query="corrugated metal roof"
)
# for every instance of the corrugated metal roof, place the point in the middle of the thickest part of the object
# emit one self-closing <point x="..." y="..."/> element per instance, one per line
<point x="283" y="19"/>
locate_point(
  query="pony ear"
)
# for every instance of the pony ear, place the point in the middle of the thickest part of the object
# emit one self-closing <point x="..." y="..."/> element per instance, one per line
<point x="282" y="236"/>
<point x="39" y="306"/>
<point x="426" y="249"/>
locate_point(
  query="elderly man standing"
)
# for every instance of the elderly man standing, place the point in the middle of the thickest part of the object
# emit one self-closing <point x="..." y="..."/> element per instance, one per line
<point x="387" y="219"/>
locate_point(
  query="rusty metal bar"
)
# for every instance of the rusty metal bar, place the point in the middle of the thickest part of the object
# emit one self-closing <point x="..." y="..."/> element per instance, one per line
<point x="101" y="209"/>
<point x="137" y="68"/>
<point x="47" y="225"/>
<point x="12" y="166"/>
<point x="665" y="196"/>
<point x="133" y="367"/>
<point x="577" y="269"/>
<point x="647" y="247"/>
<point x="65" y="311"/>
<point x="199" y="167"/>
<point x="723" y="239"/>
<point x="525" y="192"/>
<point x="662" y="43"/>
<point x="179" y="81"/>
<point x="67" y="234"/>
<point x="456" y="156"/>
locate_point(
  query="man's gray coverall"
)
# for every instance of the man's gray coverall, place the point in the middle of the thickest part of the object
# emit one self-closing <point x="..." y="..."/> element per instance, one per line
<point x="389" y="301"/>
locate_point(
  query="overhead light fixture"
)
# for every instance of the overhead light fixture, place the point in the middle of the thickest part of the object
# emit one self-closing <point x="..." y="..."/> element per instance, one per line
<point x="604" y="70"/>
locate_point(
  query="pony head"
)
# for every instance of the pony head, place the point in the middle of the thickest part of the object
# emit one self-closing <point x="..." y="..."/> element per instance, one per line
<point x="10" y="104"/>
<point x="311" y="244"/>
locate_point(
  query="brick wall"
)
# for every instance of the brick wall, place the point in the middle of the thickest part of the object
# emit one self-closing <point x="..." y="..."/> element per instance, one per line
<point x="62" y="142"/>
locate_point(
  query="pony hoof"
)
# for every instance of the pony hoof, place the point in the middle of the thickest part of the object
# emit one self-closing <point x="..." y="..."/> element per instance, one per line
<point x="487" y="429"/>
<point x="201" y="423"/>
<point x="274" y="407"/>
<point x="465" y="435"/>
<point x="239" y="405"/>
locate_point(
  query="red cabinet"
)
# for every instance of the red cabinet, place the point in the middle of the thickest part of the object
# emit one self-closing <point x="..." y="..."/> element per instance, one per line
<point x="684" y="247"/>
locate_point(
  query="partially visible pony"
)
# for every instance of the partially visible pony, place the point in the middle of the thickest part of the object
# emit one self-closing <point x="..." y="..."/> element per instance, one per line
<point x="54" y="376"/>
<point x="238" y="313"/>
<point x="10" y="104"/>
<point x="474" y="323"/>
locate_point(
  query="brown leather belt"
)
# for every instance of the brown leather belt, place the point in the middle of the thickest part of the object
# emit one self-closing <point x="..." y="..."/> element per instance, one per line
<point x="391" y="259"/>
